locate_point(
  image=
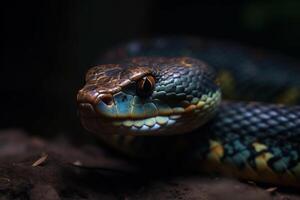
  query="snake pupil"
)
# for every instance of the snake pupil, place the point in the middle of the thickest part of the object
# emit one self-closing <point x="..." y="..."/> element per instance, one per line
<point x="145" y="86"/>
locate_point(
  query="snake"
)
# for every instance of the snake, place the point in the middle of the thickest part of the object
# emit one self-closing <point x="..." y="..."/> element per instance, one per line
<point x="206" y="105"/>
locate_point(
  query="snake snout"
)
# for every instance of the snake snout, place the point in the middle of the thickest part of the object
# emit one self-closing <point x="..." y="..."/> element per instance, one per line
<point x="89" y="103"/>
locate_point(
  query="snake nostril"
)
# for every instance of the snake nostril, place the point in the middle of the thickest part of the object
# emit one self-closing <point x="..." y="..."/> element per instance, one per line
<point x="107" y="99"/>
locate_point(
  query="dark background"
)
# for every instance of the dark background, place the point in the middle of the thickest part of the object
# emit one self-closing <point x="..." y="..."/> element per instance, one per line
<point x="49" y="45"/>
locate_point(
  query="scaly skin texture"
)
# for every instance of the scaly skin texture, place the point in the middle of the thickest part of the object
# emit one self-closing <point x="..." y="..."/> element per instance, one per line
<point x="252" y="141"/>
<point x="255" y="141"/>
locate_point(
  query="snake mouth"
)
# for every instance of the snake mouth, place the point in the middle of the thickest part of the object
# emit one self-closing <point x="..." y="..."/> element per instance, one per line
<point x="125" y="107"/>
<point x="95" y="122"/>
<point x="146" y="118"/>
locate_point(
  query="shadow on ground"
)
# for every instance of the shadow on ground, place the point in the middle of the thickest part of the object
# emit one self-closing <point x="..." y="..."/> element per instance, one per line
<point x="32" y="168"/>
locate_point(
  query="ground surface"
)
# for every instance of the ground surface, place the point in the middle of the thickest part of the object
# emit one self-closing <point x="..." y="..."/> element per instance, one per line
<point x="32" y="168"/>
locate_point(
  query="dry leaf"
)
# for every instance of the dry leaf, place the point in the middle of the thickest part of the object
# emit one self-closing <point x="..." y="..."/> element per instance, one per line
<point x="252" y="183"/>
<point x="272" y="189"/>
<point x="41" y="160"/>
<point x="77" y="163"/>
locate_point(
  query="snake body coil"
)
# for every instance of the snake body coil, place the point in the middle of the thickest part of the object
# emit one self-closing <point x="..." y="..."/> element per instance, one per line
<point x="163" y="87"/>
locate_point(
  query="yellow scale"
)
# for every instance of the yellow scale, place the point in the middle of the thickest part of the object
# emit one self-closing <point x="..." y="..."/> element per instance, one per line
<point x="262" y="173"/>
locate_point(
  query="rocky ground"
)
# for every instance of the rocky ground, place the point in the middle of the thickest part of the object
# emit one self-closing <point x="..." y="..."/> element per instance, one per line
<point x="33" y="168"/>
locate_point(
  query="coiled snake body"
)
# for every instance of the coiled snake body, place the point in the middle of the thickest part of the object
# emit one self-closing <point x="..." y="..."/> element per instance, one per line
<point x="163" y="87"/>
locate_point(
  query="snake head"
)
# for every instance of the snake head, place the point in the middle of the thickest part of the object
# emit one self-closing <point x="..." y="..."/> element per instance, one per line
<point x="148" y="96"/>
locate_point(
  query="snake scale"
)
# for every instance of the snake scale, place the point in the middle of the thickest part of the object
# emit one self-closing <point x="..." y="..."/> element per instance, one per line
<point x="161" y="98"/>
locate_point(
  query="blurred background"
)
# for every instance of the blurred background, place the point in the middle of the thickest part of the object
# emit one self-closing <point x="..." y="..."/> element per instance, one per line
<point x="49" y="45"/>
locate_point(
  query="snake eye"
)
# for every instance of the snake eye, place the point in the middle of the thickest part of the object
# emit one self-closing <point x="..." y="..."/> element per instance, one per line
<point x="145" y="86"/>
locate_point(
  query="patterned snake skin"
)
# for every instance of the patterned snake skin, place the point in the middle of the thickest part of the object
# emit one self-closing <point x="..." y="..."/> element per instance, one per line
<point x="253" y="136"/>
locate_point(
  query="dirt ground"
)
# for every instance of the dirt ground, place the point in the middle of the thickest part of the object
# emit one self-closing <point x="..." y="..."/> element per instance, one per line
<point x="32" y="168"/>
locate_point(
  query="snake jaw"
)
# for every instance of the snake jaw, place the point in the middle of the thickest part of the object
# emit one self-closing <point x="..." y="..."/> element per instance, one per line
<point x="169" y="121"/>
